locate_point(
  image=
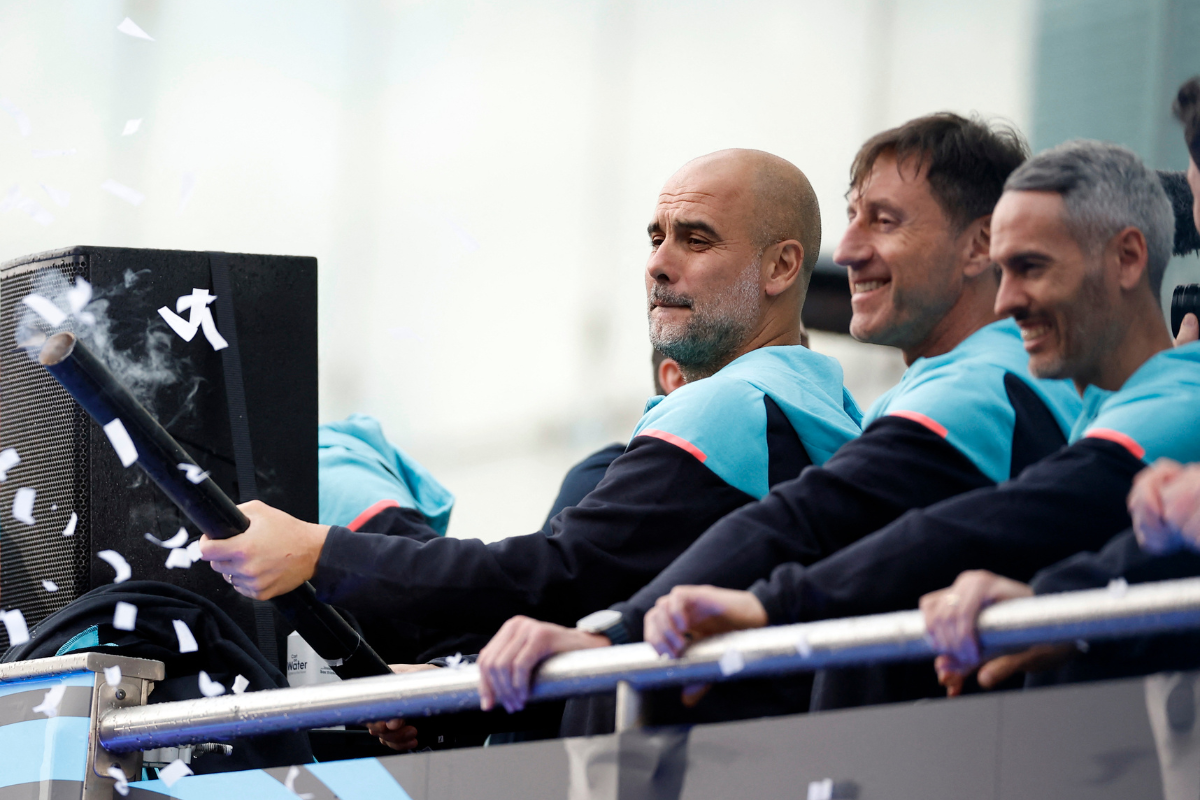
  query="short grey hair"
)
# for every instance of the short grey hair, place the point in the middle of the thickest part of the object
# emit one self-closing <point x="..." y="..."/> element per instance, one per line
<point x="1105" y="188"/>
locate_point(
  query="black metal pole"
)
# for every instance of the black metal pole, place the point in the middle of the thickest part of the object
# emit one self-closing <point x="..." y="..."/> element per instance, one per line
<point x="94" y="387"/>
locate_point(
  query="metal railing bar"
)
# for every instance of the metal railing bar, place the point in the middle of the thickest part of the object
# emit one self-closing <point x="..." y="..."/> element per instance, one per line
<point x="1094" y="614"/>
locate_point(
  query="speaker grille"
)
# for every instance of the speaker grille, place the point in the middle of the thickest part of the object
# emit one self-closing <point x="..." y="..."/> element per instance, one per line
<point x="50" y="433"/>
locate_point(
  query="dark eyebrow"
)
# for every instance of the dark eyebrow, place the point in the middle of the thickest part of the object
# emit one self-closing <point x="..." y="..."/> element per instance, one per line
<point x="683" y="226"/>
<point x="1028" y="257"/>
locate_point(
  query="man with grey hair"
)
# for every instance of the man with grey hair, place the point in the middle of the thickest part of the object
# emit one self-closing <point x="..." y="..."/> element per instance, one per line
<point x="1082" y="235"/>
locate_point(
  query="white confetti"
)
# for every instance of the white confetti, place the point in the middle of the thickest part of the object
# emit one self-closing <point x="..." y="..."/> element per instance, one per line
<point x="178" y="540"/>
<point x="731" y="662"/>
<point x="193" y="551"/>
<point x="79" y="295"/>
<point x="119" y="437"/>
<point x="71" y="523"/>
<point x="187" y="186"/>
<point x="179" y="559"/>
<point x="187" y="642"/>
<point x="22" y="507"/>
<point x="120" y="190"/>
<point x="130" y="28"/>
<point x="17" y="114"/>
<point x="8" y="460"/>
<point x="39" y="214"/>
<point x="53" y="153"/>
<point x="50" y="586"/>
<point x="1117" y="587"/>
<point x="803" y="647"/>
<point x="240" y="684"/>
<point x="118" y="775"/>
<point x="821" y="790"/>
<point x="46" y="309"/>
<point x="14" y="623"/>
<point x="118" y="563"/>
<point x="131" y="127"/>
<point x="193" y="473"/>
<point x="178" y="324"/>
<point x="209" y="326"/>
<point x="174" y="772"/>
<point x="125" y="616"/>
<point x="50" y="703"/>
<point x="455" y="661"/>
<point x="208" y="687"/>
<point x="61" y="197"/>
<point x="289" y="783"/>
<point x="112" y="675"/>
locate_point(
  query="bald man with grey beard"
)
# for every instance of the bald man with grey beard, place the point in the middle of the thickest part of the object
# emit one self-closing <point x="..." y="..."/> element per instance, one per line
<point x="733" y="239"/>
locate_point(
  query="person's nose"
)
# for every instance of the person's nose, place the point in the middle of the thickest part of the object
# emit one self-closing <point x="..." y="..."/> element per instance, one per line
<point x="663" y="266"/>
<point x="854" y="251"/>
<point x="1011" y="297"/>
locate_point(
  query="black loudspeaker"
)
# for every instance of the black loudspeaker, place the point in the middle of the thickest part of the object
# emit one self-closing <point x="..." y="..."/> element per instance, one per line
<point x="68" y="459"/>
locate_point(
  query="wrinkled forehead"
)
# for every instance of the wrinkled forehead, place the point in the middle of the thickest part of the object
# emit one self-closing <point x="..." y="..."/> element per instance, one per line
<point x="712" y="193"/>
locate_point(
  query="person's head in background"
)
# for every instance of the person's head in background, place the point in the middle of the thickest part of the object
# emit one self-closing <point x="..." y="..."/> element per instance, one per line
<point x="1083" y="234"/>
<point x="1187" y="110"/>
<point x="734" y="238"/>
<point x="916" y="248"/>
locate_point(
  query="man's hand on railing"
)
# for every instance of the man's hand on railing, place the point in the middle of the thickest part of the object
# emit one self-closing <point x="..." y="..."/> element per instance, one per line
<point x="690" y="613"/>
<point x="394" y="732"/>
<point x="1165" y="505"/>
<point x="950" y="623"/>
<point x="506" y="664"/>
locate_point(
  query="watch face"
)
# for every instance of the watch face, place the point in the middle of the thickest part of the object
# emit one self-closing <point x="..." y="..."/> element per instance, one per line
<point x="599" y="620"/>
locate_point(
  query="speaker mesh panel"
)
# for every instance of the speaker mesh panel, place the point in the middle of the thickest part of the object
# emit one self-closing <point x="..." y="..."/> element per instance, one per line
<point x="50" y="433"/>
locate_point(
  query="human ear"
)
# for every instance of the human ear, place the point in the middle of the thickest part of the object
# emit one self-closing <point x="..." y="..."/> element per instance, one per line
<point x="1131" y="253"/>
<point x="978" y="244"/>
<point x="670" y="377"/>
<point x="781" y="266"/>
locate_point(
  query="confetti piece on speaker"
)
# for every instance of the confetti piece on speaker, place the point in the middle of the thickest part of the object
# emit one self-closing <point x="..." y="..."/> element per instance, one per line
<point x="187" y="642"/>
<point x="178" y="540"/>
<point x="126" y="193"/>
<point x="112" y="675"/>
<point x="71" y="523"/>
<point x="46" y="309"/>
<point x="193" y="551"/>
<point x="14" y="623"/>
<point x="8" y="460"/>
<point x="50" y="586"/>
<point x="193" y="473"/>
<point x="178" y="324"/>
<point x="174" y="772"/>
<point x="22" y="507"/>
<point x="179" y="559"/>
<point x="119" y="437"/>
<point x="240" y="684"/>
<point x="79" y="295"/>
<point x="11" y="109"/>
<point x="731" y="662"/>
<point x="124" y="616"/>
<point x="130" y="28"/>
<point x="209" y="687"/>
<point x="209" y="326"/>
<point x="131" y="127"/>
<point x="51" y="701"/>
<point x="118" y="563"/>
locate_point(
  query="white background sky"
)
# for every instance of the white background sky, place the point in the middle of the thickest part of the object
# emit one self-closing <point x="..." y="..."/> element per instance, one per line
<point x="474" y="179"/>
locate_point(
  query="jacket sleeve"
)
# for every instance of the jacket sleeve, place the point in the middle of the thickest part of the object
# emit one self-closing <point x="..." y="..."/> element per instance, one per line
<point x="897" y="464"/>
<point x="652" y="503"/>
<point x="1071" y="501"/>
<point x="1121" y="558"/>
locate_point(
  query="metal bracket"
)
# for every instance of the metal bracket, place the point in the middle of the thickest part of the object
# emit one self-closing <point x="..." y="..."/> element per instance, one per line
<point x="137" y="681"/>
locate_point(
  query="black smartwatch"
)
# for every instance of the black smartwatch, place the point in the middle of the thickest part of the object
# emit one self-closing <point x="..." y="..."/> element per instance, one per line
<point x="607" y="622"/>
